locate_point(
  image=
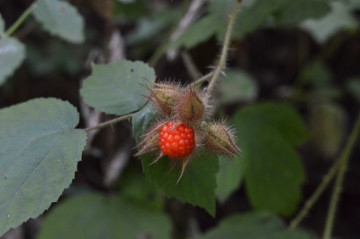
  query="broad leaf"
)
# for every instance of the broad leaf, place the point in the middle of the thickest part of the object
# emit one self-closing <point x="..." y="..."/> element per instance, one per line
<point x="61" y="19"/>
<point x="267" y="134"/>
<point x="200" y="31"/>
<point x="237" y="86"/>
<point x="317" y="73"/>
<point x="118" y="88"/>
<point x="254" y="226"/>
<point x="313" y="9"/>
<point x="2" y="25"/>
<point x="94" y="216"/>
<point x="253" y="17"/>
<point x="39" y="151"/>
<point x="197" y="186"/>
<point x="135" y="187"/>
<point x="340" y="18"/>
<point x="206" y="27"/>
<point x="229" y="177"/>
<point x="12" y="53"/>
<point x="142" y="120"/>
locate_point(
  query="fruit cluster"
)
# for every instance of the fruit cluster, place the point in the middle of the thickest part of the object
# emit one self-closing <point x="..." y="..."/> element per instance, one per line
<point x="186" y="126"/>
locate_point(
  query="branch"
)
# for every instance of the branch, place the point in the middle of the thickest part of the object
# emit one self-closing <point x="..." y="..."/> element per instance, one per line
<point x="110" y="122"/>
<point x="20" y="20"/>
<point x="222" y="62"/>
<point x="315" y="196"/>
<point x="340" y="179"/>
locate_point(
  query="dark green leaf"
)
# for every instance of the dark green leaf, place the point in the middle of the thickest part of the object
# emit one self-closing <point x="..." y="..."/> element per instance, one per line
<point x="229" y="177"/>
<point x="317" y="73"/>
<point x="135" y="187"/>
<point x="94" y="216"/>
<point x="197" y="186"/>
<point x="150" y="28"/>
<point x="253" y="17"/>
<point x="12" y="53"/>
<point x="39" y="151"/>
<point x="61" y="19"/>
<point x="267" y="134"/>
<point x="118" y="88"/>
<point x="290" y="13"/>
<point x="221" y="8"/>
<point x="142" y="120"/>
<point x="254" y="226"/>
<point x="200" y="31"/>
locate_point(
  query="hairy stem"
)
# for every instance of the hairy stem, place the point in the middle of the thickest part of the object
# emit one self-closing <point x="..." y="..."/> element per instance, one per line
<point x="315" y="196"/>
<point x="340" y="179"/>
<point x="202" y="79"/>
<point x="20" y="20"/>
<point x="222" y="62"/>
<point x="110" y="122"/>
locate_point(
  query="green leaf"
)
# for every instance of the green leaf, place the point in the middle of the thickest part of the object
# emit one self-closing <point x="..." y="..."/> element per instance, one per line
<point x="142" y="120"/>
<point x="39" y="151"/>
<point x="340" y="18"/>
<point x="253" y="17"/>
<point x="229" y="177"/>
<point x="2" y="25"/>
<point x="94" y="216"/>
<point x="237" y="86"/>
<point x="254" y="226"/>
<point x="12" y="53"/>
<point x="313" y="9"/>
<point x="318" y="73"/>
<point x="222" y="8"/>
<point x="353" y="87"/>
<point x="61" y="19"/>
<point x="118" y="88"/>
<point x="135" y="187"/>
<point x="199" y="32"/>
<point x="267" y="134"/>
<point x="197" y="186"/>
<point x="152" y="28"/>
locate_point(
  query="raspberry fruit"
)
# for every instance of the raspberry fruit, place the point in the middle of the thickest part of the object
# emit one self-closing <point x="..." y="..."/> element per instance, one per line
<point x="178" y="142"/>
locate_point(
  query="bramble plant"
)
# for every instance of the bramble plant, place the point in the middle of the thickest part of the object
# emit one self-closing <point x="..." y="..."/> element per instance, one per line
<point x="181" y="136"/>
<point x="185" y="127"/>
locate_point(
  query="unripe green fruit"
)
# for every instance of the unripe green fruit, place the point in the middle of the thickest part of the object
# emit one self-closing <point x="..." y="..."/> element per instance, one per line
<point x="219" y="139"/>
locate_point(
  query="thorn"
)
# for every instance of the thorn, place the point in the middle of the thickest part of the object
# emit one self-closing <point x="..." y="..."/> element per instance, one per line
<point x="149" y="81"/>
<point x="184" y="165"/>
<point x="157" y="159"/>
<point x="176" y="124"/>
<point x="173" y="164"/>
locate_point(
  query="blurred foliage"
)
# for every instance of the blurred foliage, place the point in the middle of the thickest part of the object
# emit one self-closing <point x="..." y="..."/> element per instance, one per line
<point x="267" y="134"/>
<point x="254" y="225"/>
<point x="109" y="217"/>
<point x="300" y="56"/>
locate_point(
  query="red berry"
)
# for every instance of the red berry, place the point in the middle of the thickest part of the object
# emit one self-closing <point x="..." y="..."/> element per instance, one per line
<point x="177" y="143"/>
